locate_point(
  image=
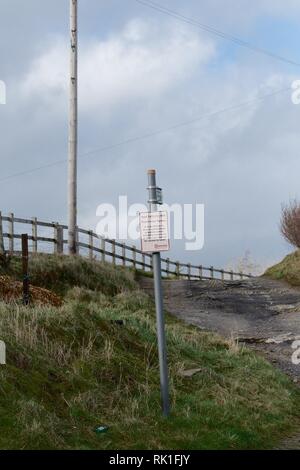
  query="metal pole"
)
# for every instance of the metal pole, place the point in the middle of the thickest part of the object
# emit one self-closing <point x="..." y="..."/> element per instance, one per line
<point x="160" y="321"/>
<point x="73" y="118"/>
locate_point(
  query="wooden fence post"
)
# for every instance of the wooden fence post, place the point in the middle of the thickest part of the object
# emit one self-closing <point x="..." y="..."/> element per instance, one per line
<point x="91" y="245"/>
<point x="1" y="236"/>
<point x="134" y="256"/>
<point x="113" y="252"/>
<point x="25" y="269"/>
<point x="59" y="237"/>
<point x="11" y="233"/>
<point x="34" y="235"/>
<point x="136" y="259"/>
<point x="55" y="236"/>
<point x="168" y="266"/>
<point x="200" y="271"/>
<point x="144" y="262"/>
<point x="103" y="249"/>
<point x="124" y="254"/>
<point x="189" y="271"/>
<point x="77" y="240"/>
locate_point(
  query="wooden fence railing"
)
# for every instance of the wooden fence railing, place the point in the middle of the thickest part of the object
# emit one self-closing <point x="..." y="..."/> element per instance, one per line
<point x="51" y="237"/>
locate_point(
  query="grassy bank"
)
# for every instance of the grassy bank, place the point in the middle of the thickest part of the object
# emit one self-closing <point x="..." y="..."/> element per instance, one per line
<point x="73" y="368"/>
<point x="287" y="270"/>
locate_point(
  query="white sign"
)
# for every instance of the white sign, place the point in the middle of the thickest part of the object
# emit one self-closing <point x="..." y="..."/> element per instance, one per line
<point x="154" y="231"/>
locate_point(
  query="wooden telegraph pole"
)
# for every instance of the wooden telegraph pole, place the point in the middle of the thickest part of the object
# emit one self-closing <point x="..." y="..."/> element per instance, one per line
<point x="73" y="130"/>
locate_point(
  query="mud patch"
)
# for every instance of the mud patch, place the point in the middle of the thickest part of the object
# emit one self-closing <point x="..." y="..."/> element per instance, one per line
<point x="11" y="291"/>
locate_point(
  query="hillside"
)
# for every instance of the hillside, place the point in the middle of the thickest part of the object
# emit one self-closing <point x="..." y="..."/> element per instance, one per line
<point x="93" y="361"/>
<point x="287" y="270"/>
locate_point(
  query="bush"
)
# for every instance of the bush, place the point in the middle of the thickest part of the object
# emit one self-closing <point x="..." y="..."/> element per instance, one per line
<point x="290" y="223"/>
<point x="5" y="260"/>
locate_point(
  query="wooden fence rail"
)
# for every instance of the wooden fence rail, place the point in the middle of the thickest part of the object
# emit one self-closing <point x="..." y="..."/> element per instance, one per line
<point x="52" y="238"/>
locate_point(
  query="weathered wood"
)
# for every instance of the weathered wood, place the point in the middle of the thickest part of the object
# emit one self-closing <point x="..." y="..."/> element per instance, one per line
<point x="108" y="254"/>
<point x="134" y="256"/>
<point x="113" y="252"/>
<point x="34" y="235"/>
<point x="180" y="270"/>
<point x="2" y="249"/>
<point x="124" y="254"/>
<point x="91" y="245"/>
<point x="55" y="235"/>
<point x="77" y="245"/>
<point x="85" y="232"/>
<point x="168" y="265"/>
<point x="103" y="249"/>
<point x="17" y="236"/>
<point x="144" y="262"/>
<point x="39" y="239"/>
<point x="11" y="233"/>
<point x="59" y="239"/>
<point x="200" y="269"/>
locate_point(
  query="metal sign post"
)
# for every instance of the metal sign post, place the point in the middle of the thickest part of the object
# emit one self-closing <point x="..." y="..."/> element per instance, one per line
<point x="160" y="321"/>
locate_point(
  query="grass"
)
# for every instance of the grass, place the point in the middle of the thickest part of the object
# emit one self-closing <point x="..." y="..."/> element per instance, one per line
<point x="73" y="368"/>
<point x="287" y="270"/>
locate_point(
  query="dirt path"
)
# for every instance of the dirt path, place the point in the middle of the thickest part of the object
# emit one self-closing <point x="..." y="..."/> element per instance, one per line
<point x="262" y="313"/>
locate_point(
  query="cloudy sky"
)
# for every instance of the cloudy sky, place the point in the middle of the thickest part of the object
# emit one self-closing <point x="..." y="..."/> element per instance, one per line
<point x="142" y="71"/>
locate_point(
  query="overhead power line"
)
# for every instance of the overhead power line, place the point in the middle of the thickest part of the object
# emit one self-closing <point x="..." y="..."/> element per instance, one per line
<point x="214" y="31"/>
<point x="151" y="134"/>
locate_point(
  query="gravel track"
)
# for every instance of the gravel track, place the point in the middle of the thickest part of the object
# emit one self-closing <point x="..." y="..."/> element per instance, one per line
<point x="262" y="313"/>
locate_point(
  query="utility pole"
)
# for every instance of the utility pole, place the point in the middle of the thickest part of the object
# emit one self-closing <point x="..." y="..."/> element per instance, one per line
<point x="73" y="128"/>
<point x="160" y="320"/>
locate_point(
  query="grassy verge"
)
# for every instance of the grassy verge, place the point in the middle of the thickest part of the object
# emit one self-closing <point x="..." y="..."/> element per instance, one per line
<point x="73" y="368"/>
<point x="287" y="270"/>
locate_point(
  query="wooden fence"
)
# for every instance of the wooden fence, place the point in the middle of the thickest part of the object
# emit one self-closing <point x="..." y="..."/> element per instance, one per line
<point x="52" y="238"/>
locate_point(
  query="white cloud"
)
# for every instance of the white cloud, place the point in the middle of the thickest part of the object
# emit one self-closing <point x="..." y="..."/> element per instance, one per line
<point x="142" y="61"/>
<point x="47" y="75"/>
<point x="148" y="76"/>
